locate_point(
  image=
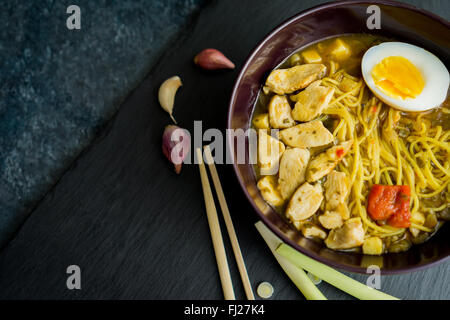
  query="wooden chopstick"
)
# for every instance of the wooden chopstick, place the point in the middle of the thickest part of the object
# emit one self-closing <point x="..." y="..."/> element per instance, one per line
<point x="229" y="224"/>
<point x="216" y="235"/>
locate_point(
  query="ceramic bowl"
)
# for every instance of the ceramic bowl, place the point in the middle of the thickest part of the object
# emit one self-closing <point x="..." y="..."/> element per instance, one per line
<point x="399" y="21"/>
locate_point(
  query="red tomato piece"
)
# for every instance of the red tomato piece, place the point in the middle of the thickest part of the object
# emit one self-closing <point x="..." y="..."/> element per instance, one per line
<point x="390" y="203"/>
<point x="381" y="202"/>
<point x="340" y="152"/>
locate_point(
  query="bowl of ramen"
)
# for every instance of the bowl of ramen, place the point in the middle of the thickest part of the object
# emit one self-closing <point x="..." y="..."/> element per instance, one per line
<point x="347" y="135"/>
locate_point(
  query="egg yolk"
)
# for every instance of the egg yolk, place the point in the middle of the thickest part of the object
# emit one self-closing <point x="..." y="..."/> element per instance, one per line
<point x="398" y="78"/>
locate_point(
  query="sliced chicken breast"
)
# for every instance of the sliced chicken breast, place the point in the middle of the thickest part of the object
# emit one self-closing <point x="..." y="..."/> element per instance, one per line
<point x="269" y="153"/>
<point x="284" y="81"/>
<point x="305" y="135"/>
<point x="331" y="220"/>
<point x="325" y="162"/>
<point x="311" y="102"/>
<point x="336" y="189"/>
<point x="310" y="230"/>
<point x="280" y="113"/>
<point x="292" y="171"/>
<point x="305" y="202"/>
<point x="350" y="235"/>
<point x="269" y="190"/>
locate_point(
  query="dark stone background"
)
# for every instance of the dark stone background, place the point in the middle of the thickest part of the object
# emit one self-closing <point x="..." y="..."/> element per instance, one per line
<point x="58" y="87"/>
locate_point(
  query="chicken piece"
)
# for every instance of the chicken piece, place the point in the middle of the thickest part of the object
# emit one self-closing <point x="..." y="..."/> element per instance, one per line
<point x="261" y="121"/>
<point x="280" y="113"/>
<point x="342" y="209"/>
<point x="305" y="135"/>
<point x="284" y="81"/>
<point x="325" y="162"/>
<point x="313" y="231"/>
<point x="269" y="153"/>
<point x="349" y="235"/>
<point x="269" y="191"/>
<point x="336" y="189"/>
<point x="305" y="202"/>
<point x="347" y="84"/>
<point x="298" y="96"/>
<point x="292" y="171"/>
<point x="373" y="246"/>
<point x="319" y="167"/>
<point x="331" y="220"/>
<point x="311" y="101"/>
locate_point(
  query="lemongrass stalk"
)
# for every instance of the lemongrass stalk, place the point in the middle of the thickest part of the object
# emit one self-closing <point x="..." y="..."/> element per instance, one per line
<point x="297" y="275"/>
<point x="333" y="277"/>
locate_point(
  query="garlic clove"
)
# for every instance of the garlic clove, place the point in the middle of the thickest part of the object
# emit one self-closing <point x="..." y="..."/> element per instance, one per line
<point x="176" y="144"/>
<point x="212" y="59"/>
<point x="166" y="94"/>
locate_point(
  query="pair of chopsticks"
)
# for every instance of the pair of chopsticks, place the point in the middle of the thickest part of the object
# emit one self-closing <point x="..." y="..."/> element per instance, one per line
<point x="293" y="262"/>
<point x="214" y="226"/>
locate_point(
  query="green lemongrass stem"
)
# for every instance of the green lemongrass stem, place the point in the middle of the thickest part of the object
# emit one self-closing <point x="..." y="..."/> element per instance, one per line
<point x="333" y="277"/>
<point x="297" y="275"/>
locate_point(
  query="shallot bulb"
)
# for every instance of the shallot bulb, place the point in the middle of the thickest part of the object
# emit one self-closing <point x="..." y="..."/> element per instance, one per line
<point x="212" y="59"/>
<point x="176" y="145"/>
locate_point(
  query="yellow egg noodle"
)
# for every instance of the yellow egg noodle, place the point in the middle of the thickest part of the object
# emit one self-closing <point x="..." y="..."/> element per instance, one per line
<point x="390" y="148"/>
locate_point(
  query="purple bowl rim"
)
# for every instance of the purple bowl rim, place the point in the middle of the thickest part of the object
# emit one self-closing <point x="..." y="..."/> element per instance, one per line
<point x="263" y="218"/>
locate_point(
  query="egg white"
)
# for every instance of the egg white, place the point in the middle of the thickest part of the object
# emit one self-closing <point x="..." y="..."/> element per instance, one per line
<point x="434" y="73"/>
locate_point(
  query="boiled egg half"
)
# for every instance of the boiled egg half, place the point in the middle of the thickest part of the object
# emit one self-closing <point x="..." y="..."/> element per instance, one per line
<point x="405" y="77"/>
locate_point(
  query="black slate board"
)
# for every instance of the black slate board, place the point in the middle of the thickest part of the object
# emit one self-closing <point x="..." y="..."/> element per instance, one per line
<point x="135" y="228"/>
